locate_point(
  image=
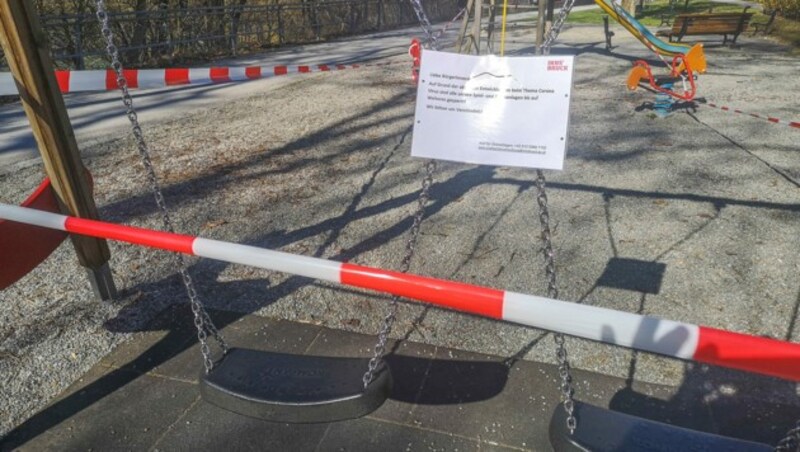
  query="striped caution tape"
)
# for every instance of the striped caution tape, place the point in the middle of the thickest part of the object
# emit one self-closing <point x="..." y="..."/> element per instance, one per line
<point x="106" y="80"/>
<point x="650" y="334"/>
<point x="793" y="124"/>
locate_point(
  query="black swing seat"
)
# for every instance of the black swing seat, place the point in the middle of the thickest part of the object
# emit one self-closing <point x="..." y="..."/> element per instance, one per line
<point x="281" y="387"/>
<point x="605" y="430"/>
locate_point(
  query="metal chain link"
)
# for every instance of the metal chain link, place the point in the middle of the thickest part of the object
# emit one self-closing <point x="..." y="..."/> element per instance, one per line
<point x="564" y="373"/>
<point x="443" y="30"/>
<point x="202" y="321"/>
<point x="566" y="388"/>
<point x="555" y="29"/>
<point x="424" y="195"/>
<point x="790" y="442"/>
<point x="567" y="391"/>
<point x="425" y="23"/>
<point x="411" y="243"/>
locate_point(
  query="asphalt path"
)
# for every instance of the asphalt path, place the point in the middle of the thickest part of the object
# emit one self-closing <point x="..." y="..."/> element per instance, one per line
<point x="96" y="116"/>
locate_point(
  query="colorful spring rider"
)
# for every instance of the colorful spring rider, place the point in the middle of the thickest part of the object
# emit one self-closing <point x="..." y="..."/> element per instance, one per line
<point x="683" y="69"/>
<point x="686" y="62"/>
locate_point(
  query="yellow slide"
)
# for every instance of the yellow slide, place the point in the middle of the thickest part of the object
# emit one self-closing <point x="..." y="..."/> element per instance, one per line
<point x="640" y="31"/>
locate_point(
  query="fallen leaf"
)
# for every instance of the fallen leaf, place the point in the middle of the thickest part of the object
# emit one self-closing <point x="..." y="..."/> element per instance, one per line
<point x="213" y="224"/>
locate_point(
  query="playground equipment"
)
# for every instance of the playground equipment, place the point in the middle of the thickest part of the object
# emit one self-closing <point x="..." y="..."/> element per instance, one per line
<point x="641" y="32"/>
<point x="28" y="57"/>
<point x="270" y="386"/>
<point x="600" y="429"/>
<point x="611" y="430"/>
<point x="19" y="255"/>
<point x="686" y="62"/>
<point x="603" y="429"/>
<point x="231" y="384"/>
<point x="682" y="69"/>
<point x="241" y="379"/>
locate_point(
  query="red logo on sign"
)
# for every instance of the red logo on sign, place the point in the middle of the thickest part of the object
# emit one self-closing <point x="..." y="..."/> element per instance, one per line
<point x="556" y="65"/>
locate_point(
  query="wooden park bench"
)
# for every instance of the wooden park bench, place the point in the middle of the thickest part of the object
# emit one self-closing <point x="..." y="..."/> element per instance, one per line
<point x="708" y="24"/>
<point x="765" y="27"/>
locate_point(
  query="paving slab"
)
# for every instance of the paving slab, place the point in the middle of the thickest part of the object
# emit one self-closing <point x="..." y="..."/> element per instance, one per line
<point x="443" y="399"/>
<point x="369" y="434"/>
<point x="170" y="334"/>
<point x="107" y="410"/>
<point x="207" y="427"/>
<point x="491" y="401"/>
<point x="239" y="331"/>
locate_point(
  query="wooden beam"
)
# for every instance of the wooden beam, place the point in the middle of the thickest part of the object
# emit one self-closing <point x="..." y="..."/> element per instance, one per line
<point x="28" y="55"/>
<point x="540" y="25"/>
<point x="476" y="25"/>
<point x="462" y="31"/>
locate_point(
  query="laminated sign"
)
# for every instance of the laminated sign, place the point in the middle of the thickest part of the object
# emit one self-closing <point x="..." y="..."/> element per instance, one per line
<point x="507" y="111"/>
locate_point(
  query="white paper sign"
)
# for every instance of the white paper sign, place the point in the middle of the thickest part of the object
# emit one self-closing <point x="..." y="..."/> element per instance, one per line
<point x="506" y="111"/>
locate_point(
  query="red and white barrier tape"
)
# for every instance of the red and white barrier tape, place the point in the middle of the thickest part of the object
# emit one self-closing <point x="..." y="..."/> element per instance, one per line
<point x="666" y="337"/>
<point x="106" y="80"/>
<point x="794" y="124"/>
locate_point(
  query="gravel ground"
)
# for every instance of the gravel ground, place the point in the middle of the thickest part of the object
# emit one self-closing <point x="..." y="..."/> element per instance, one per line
<point x="321" y="167"/>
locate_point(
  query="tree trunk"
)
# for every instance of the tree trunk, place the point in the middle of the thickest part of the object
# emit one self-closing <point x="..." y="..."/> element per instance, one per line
<point x="234" y="36"/>
<point x="134" y="57"/>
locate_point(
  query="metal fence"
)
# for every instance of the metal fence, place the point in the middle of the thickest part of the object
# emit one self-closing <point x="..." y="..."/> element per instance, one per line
<point x="162" y="36"/>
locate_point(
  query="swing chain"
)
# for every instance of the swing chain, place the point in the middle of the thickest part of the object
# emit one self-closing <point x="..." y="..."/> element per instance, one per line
<point x="411" y="243"/>
<point x="791" y="442"/>
<point x="443" y="30"/>
<point x="564" y="373"/>
<point x="202" y="321"/>
<point x="425" y="24"/>
<point x="555" y="29"/>
<point x="567" y="391"/>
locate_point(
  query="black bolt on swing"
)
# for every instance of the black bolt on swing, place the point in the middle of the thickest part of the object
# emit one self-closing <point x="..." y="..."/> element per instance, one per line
<point x="273" y="386"/>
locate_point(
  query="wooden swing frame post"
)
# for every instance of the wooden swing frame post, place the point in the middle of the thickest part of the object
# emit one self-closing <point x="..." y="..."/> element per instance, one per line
<point x="27" y="52"/>
<point x="540" y="24"/>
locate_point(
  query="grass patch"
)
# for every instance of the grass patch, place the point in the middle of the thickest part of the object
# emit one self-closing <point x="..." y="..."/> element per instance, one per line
<point x="788" y="32"/>
<point x="653" y="11"/>
<point x="784" y="30"/>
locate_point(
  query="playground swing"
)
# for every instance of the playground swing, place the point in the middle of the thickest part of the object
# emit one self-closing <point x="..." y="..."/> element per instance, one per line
<point x="566" y="389"/>
<point x="322" y="389"/>
<point x="274" y="386"/>
<point x="608" y="430"/>
<point x="318" y="389"/>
